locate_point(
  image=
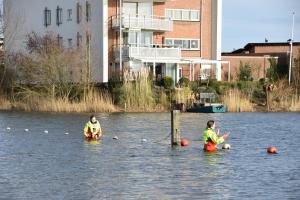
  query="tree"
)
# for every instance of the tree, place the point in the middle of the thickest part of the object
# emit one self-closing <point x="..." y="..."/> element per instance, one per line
<point x="296" y="73"/>
<point x="245" y="72"/>
<point x="48" y="69"/>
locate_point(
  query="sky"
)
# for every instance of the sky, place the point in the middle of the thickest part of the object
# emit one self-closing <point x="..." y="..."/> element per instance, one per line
<point x="253" y="21"/>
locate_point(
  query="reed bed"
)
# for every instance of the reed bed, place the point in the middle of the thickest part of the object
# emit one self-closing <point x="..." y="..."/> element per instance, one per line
<point x="236" y="101"/>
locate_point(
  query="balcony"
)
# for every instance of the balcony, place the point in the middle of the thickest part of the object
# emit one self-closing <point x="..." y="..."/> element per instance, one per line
<point x="147" y="53"/>
<point x="157" y="1"/>
<point x="159" y="24"/>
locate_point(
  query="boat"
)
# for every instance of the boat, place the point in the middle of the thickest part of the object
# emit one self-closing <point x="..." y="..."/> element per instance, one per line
<point x="204" y="107"/>
<point x="214" y="108"/>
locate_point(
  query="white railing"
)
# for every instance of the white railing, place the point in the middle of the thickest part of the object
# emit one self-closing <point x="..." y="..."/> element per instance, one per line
<point x="144" y="53"/>
<point x="143" y="22"/>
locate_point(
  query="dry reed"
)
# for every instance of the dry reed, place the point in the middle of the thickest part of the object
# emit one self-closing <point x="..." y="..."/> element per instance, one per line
<point x="236" y="101"/>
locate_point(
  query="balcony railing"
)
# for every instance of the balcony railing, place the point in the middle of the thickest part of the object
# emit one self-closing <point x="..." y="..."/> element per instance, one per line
<point x="160" y="24"/>
<point x="150" y="53"/>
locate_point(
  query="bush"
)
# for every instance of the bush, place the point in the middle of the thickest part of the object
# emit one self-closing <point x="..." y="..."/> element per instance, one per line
<point x="167" y="82"/>
<point x="245" y="72"/>
<point x="184" y="82"/>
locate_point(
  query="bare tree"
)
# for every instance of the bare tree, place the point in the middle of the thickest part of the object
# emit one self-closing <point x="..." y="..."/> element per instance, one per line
<point x="48" y="69"/>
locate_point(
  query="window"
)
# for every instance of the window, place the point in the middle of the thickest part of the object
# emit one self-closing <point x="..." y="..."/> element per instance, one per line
<point x="195" y="15"/>
<point x="178" y="43"/>
<point x="70" y="43"/>
<point x="47" y="17"/>
<point x="88" y="40"/>
<point x="69" y="14"/>
<point x="194" y="44"/>
<point x="185" y="44"/>
<point x="183" y="14"/>
<point x="79" y="39"/>
<point x="168" y="43"/>
<point x="59" y="40"/>
<point x="169" y="13"/>
<point x="177" y="15"/>
<point x="58" y="15"/>
<point x="180" y="73"/>
<point x="88" y="11"/>
<point x="79" y="13"/>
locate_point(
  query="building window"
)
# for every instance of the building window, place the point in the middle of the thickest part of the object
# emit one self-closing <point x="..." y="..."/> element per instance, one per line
<point x="47" y="17"/>
<point x="183" y="14"/>
<point x="79" y="39"/>
<point x="195" y="44"/>
<point x="180" y="73"/>
<point x="58" y="16"/>
<point x="79" y="13"/>
<point x="70" y="42"/>
<point x="88" y="11"/>
<point x="184" y="44"/>
<point x="195" y="15"/>
<point x="69" y="14"/>
<point x="59" y="40"/>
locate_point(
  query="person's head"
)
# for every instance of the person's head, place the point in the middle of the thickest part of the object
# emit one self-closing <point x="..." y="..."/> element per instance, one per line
<point x="211" y="124"/>
<point x="93" y="119"/>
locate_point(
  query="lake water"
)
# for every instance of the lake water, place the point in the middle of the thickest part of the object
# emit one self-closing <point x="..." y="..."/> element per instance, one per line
<point x="56" y="165"/>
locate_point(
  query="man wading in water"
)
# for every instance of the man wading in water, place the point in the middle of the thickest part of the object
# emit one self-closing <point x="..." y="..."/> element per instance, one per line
<point x="92" y="129"/>
<point x="211" y="139"/>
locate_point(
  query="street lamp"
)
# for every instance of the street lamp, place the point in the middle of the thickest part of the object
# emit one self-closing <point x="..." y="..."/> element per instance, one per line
<point x="291" y="49"/>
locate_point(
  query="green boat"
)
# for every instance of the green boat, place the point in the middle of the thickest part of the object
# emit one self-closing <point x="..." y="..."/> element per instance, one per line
<point x="208" y="109"/>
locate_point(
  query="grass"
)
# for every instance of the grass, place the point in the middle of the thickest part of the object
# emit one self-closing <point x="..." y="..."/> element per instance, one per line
<point x="236" y="101"/>
<point x="96" y="102"/>
<point x="5" y="103"/>
<point x="138" y="95"/>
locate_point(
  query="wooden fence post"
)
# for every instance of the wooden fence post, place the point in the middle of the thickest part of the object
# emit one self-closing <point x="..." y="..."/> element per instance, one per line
<point x="175" y="133"/>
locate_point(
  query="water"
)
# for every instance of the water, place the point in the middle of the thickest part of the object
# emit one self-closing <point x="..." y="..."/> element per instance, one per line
<point x="55" y="165"/>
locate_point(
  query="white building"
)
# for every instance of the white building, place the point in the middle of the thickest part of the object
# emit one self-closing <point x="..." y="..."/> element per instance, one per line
<point x="73" y="21"/>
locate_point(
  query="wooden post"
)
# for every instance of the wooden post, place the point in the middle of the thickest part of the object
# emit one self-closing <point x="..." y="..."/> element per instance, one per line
<point x="175" y="134"/>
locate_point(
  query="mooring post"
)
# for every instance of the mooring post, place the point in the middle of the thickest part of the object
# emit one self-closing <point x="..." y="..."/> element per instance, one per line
<point x="175" y="133"/>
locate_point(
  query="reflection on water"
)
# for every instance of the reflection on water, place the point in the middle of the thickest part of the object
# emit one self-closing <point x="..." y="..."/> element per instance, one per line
<point x="54" y="165"/>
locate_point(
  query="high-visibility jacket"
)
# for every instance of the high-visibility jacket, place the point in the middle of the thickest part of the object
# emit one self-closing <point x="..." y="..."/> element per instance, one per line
<point x="211" y="140"/>
<point x="92" y="130"/>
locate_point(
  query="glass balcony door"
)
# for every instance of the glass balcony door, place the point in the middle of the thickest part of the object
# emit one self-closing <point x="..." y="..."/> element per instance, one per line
<point x="135" y="9"/>
<point x="138" y="38"/>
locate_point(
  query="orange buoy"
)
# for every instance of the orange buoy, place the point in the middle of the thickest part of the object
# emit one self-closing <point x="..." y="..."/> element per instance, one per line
<point x="184" y="142"/>
<point x="272" y="150"/>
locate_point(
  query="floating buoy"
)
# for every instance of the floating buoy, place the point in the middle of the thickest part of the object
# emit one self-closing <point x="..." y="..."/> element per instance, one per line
<point x="67" y="133"/>
<point x="184" y="142"/>
<point x="45" y="131"/>
<point x="272" y="150"/>
<point x="8" y="128"/>
<point x="144" y="140"/>
<point x="226" y="146"/>
<point x="26" y="129"/>
<point x="115" y="138"/>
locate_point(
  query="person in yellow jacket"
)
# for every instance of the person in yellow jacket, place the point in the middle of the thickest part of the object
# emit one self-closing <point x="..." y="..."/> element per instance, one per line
<point x="92" y="129"/>
<point x="211" y="139"/>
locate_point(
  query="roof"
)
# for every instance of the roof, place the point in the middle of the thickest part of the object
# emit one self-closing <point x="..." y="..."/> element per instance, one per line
<point x="249" y="45"/>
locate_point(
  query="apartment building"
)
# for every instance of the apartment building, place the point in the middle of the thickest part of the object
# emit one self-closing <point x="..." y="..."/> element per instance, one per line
<point x="169" y="37"/>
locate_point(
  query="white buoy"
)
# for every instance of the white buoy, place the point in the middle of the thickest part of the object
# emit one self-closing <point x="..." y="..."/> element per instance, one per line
<point x="115" y="138"/>
<point x="67" y="133"/>
<point x="45" y="131"/>
<point x="8" y="128"/>
<point x="226" y="146"/>
<point x="144" y="140"/>
<point x="26" y="129"/>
